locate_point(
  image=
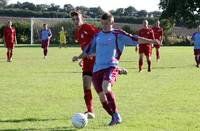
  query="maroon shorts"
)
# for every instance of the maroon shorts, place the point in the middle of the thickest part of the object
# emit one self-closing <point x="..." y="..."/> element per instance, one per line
<point x="109" y="74"/>
<point x="88" y="64"/>
<point x="10" y="45"/>
<point x="146" y="49"/>
<point x="156" y="46"/>
<point x="196" y="51"/>
<point x="45" y="43"/>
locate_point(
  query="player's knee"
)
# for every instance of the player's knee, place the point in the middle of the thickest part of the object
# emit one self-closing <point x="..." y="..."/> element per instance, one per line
<point x="106" y="86"/>
<point x="102" y="97"/>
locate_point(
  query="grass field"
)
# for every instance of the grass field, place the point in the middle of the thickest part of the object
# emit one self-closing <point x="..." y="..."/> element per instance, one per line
<point x="38" y="94"/>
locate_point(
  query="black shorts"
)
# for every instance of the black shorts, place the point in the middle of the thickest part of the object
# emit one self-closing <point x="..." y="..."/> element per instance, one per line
<point x="87" y="73"/>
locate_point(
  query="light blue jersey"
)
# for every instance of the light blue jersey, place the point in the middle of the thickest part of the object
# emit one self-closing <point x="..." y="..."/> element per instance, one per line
<point x="44" y="34"/>
<point x="196" y="39"/>
<point x="109" y="46"/>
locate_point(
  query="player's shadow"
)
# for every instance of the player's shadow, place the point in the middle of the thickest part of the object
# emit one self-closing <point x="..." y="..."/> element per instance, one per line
<point x="40" y="129"/>
<point x="64" y="128"/>
<point x="26" y="120"/>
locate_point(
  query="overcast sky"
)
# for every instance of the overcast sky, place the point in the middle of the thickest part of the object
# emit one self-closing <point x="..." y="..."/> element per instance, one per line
<point x="106" y="5"/>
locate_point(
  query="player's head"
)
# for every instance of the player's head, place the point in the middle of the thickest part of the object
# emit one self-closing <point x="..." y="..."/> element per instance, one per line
<point x="45" y="26"/>
<point x="62" y="28"/>
<point x="145" y="23"/>
<point x="77" y="18"/>
<point x="107" y="20"/>
<point x="157" y="23"/>
<point x="9" y="23"/>
<point x="199" y="28"/>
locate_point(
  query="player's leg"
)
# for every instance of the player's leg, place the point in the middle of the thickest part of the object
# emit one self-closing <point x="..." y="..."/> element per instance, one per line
<point x="198" y="60"/>
<point x="109" y="79"/>
<point x="140" y="63"/>
<point x="149" y="62"/>
<point x="97" y="80"/>
<point x="8" y="55"/>
<point x="11" y="54"/>
<point x="87" y="82"/>
<point x="157" y="54"/>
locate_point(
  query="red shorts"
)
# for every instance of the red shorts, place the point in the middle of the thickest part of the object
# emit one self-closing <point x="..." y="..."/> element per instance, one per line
<point x="156" y="46"/>
<point x="88" y="64"/>
<point x="45" y="43"/>
<point x="109" y="74"/>
<point x="196" y="51"/>
<point x="146" y="49"/>
<point x="10" y="45"/>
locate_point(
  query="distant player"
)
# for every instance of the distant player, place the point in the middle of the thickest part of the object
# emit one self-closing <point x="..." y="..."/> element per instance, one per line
<point x="62" y="35"/>
<point x="45" y="36"/>
<point x="158" y="33"/>
<point x="145" y="48"/>
<point x="196" y="41"/>
<point x="108" y="46"/>
<point x="9" y="37"/>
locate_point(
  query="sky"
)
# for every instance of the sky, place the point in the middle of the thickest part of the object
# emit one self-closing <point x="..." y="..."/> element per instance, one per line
<point x="106" y="5"/>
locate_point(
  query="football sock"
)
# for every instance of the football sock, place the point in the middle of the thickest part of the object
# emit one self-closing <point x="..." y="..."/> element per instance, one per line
<point x="88" y="99"/>
<point x="111" y="101"/>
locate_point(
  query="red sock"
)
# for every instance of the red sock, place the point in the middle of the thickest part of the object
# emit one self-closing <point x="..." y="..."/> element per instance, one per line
<point x="157" y="54"/>
<point x="111" y="101"/>
<point x="88" y="99"/>
<point x="140" y="64"/>
<point x="107" y="108"/>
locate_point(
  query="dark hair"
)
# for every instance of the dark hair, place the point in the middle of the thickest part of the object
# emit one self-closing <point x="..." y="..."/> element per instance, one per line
<point x="106" y="16"/>
<point x="75" y="13"/>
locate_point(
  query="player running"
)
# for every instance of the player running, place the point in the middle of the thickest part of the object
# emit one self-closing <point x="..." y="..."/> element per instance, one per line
<point x="9" y="38"/>
<point x="145" y="48"/>
<point x="196" y="41"/>
<point x="108" y="46"/>
<point x="45" y="36"/>
<point x="158" y="34"/>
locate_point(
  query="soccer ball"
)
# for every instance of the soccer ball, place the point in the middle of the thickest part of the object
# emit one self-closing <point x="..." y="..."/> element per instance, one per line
<point x="79" y="120"/>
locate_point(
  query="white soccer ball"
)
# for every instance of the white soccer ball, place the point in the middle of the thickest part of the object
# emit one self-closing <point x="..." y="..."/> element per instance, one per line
<point x="79" y="120"/>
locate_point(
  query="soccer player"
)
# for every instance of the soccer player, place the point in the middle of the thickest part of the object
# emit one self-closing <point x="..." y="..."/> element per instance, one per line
<point x="9" y="37"/>
<point x="108" y="46"/>
<point x="158" y="34"/>
<point x="145" y="48"/>
<point x="63" y="40"/>
<point x="45" y="36"/>
<point x="84" y="34"/>
<point x="196" y="41"/>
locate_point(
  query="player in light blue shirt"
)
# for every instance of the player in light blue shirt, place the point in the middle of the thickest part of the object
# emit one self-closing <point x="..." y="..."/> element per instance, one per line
<point x="196" y="41"/>
<point x="108" y="46"/>
<point x="45" y="36"/>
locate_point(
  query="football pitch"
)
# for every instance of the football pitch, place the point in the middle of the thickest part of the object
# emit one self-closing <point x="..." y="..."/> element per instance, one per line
<point x="38" y="94"/>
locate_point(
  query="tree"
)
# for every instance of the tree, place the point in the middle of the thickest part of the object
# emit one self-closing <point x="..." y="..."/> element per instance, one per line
<point x="186" y="11"/>
<point x="3" y="3"/>
<point x="142" y="13"/>
<point x="130" y="11"/>
<point x="68" y="8"/>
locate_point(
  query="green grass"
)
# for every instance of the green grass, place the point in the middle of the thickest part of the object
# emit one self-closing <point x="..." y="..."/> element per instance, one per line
<point x="38" y="94"/>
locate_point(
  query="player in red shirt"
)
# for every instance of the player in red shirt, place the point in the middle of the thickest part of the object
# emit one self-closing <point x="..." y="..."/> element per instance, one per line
<point x="145" y="49"/>
<point x="84" y="34"/>
<point x="9" y="37"/>
<point x="158" y="33"/>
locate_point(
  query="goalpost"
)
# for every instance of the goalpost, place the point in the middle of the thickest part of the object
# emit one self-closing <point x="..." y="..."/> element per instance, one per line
<point x="54" y="24"/>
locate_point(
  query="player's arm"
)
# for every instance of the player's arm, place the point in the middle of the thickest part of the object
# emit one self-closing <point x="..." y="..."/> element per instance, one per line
<point x="15" y="38"/>
<point x="76" y="58"/>
<point x="146" y="41"/>
<point x="50" y="34"/>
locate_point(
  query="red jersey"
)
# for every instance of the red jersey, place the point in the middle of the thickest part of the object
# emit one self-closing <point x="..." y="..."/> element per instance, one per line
<point x="146" y="33"/>
<point x="85" y="34"/>
<point x="158" y="32"/>
<point x="9" y="34"/>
